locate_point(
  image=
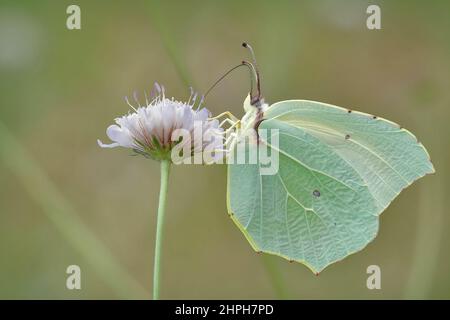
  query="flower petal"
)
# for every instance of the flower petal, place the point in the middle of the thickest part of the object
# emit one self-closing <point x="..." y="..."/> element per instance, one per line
<point x="112" y="145"/>
<point x="202" y="115"/>
<point x="120" y="135"/>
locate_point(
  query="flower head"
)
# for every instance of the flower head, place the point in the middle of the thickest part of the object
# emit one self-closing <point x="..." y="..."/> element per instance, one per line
<point x="153" y="130"/>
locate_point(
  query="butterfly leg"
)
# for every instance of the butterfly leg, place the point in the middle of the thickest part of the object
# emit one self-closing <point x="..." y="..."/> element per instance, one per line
<point x="230" y="133"/>
<point x="231" y="116"/>
<point x="227" y="121"/>
<point x="231" y="141"/>
<point x="233" y="125"/>
<point x="230" y="138"/>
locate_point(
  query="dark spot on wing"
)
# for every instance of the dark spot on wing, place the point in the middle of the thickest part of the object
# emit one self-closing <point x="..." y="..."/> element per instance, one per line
<point x="347" y="136"/>
<point x="316" y="193"/>
<point x="374" y="117"/>
<point x="349" y="111"/>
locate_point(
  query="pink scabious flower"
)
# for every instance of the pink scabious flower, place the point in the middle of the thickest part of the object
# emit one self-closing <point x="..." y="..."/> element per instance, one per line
<point x="153" y="130"/>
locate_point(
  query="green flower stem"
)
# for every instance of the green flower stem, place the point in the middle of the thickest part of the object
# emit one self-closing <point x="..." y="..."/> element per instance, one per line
<point x="165" y="170"/>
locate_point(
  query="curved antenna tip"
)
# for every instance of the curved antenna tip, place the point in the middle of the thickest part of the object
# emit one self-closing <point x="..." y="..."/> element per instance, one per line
<point x="244" y="44"/>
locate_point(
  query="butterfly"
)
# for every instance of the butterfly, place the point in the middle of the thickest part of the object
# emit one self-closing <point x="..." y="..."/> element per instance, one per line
<point x="338" y="170"/>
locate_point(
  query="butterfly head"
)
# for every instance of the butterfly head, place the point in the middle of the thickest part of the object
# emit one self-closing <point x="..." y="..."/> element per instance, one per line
<point x="259" y="106"/>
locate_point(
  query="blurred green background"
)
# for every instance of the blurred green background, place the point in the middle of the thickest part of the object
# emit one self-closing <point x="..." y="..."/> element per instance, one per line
<point x="65" y="201"/>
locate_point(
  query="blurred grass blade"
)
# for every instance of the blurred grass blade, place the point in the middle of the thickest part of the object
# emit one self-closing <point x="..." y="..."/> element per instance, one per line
<point x="64" y="217"/>
<point x="427" y="244"/>
<point x="275" y="276"/>
<point x="431" y="219"/>
<point x="167" y="39"/>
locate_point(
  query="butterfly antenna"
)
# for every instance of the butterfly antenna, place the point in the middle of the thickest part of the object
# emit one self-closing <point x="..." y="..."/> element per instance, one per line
<point x="243" y="63"/>
<point x="254" y="66"/>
